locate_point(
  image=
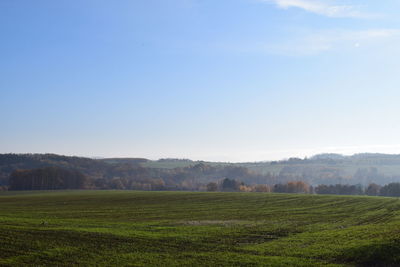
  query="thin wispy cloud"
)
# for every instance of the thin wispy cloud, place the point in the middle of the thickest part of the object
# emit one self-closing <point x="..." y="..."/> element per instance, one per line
<point x="325" y="8"/>
<point x="318" y="42"/>
<point x="333" y="40"/>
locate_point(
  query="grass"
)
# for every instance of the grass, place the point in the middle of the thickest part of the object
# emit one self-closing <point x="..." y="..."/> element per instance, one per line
<point x="125" y="228"/>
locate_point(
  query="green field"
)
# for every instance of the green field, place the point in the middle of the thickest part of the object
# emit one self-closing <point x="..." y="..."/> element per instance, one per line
<point x="125" y="228"/>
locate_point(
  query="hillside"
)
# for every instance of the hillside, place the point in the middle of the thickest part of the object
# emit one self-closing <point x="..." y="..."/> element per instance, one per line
<point x="118" y="173"/>
<point x="120" y="228"/>
<point x="320" y="169"/>
<point x="138" y="173"/>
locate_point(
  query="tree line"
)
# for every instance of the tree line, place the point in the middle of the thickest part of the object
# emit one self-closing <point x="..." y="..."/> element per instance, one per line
<point x="55" y="178"/>
<point x="49" y="178"/>
<point x="300" y="187"/>
<point x="49" y="171"/>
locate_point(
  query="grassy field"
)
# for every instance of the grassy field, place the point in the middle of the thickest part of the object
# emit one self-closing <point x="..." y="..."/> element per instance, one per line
<point x="125" y="228"/>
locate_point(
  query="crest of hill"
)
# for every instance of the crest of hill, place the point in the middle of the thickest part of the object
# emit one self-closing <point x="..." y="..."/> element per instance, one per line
<point x="328" y="168"/>
<point x="133" y="161"/>
<point x="328" y="156"/>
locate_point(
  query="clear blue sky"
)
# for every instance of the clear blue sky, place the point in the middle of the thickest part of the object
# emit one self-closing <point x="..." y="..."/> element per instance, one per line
<point x="228" y="80"/>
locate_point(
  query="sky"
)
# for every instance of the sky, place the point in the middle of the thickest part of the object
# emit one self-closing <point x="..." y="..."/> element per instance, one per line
<point x="220" y="80"/>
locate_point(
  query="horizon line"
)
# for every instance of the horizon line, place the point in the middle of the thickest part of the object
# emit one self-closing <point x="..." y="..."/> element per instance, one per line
<point x="201" y="160"/>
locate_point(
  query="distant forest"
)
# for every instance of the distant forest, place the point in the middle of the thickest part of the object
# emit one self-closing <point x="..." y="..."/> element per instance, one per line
<point x="323" y="174"/>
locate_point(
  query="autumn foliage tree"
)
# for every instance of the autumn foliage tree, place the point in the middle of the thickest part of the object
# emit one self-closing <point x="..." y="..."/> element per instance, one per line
<point x="212" y="187"/>
<point x="292" y="187"/>
<point x="230" y="185"/>
<point x="373" y="190"/>
<point x="261" y="188"/>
